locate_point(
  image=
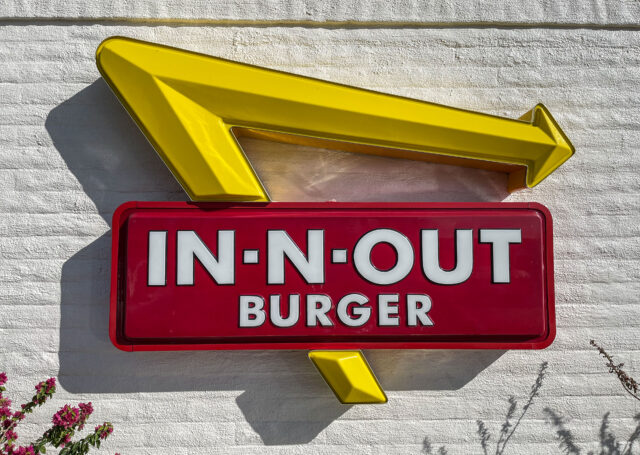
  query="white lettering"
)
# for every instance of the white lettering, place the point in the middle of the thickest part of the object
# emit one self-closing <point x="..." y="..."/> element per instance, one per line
<point x="157" y="259"/>
<point x="388" y="306"/>
<point x="276" y="312"/>
<point x="418" y="305"/>
<point x="431" y="259"/>
<point x="362" y="256"/>
<point x="190" y="246"/>
<point x="361" y="314"/>
<point x="281" y="245"/>
<point x="500" y="239"/>
<point x="317" y="313"/>
<point x="252" y="312"/>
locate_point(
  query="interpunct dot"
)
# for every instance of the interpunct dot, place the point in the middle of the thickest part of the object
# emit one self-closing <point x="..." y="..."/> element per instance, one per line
<point x="339" y="256"/>
<point x="250" y="256"/>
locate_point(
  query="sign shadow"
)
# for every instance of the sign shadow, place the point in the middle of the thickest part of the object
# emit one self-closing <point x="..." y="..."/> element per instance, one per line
<point x="279" y="393"/>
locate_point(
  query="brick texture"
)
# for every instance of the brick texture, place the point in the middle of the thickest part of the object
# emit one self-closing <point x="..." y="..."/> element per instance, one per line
<point x="71" y="155"/>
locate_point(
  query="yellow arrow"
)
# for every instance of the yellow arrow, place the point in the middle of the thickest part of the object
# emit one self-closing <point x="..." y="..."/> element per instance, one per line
<point x="191" y="106"/>
<point x="349" y="376"/>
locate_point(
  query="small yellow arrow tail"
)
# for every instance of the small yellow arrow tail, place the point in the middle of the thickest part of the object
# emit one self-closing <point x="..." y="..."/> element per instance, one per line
<point x="349" y="376"/>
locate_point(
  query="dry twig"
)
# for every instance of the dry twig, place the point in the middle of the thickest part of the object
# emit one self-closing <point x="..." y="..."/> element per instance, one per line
<point x="628" y="383"/>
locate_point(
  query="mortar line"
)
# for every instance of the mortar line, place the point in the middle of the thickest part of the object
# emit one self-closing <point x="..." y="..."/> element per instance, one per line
<point x="346" y="24"/>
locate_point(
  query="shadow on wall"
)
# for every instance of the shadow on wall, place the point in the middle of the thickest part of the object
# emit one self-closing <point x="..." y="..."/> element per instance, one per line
<point x="610" y="444"/>
<point x="512" y="420"/>
<point x="285" y="400"/>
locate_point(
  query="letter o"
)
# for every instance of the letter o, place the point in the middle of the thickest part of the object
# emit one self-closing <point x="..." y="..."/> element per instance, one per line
<point x="362" y="256"/>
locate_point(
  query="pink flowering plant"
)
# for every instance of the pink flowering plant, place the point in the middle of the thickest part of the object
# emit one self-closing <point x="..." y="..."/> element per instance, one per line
<point x="65" y="423"/>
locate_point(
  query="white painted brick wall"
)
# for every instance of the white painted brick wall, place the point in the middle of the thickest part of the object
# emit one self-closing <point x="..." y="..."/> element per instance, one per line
<point x="70" y="155"/>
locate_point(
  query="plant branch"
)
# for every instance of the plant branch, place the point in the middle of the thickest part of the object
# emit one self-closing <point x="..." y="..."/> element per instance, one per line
<point x="628" y="383"/>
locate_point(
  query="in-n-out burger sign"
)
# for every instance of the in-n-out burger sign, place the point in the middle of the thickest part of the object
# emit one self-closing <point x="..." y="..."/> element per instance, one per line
<point x="322" y="276"/>
<point x="231" y="276"/>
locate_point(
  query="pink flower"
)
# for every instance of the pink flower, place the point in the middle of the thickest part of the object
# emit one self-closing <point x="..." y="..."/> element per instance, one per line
<point x="11" y="435"/>
<point x="51" y="383"/>
<point x="66" y="440"/>
<point x="66" y="417"/>
<point x="104" y="430"/>
<point x="5" y="407"/>
<point x="86" y="409"/>
<point x="47" y="385"/>
<point x="3" y="378"/>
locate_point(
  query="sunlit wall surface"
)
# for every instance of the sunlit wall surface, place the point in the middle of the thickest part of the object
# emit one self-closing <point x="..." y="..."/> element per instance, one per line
<point x="70" y="155"/>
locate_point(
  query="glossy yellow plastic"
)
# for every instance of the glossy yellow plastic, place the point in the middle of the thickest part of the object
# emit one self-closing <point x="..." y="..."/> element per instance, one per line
<point x="191" y="107"/>
<point x="349" y="376"/>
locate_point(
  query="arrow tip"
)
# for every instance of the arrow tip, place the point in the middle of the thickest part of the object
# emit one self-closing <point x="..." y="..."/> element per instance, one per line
<point x="349" y="376"/>
<point x="549" y="161"/>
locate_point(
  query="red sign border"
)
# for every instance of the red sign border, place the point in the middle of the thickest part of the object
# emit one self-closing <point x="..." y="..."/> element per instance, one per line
<point x="121" y="214"/>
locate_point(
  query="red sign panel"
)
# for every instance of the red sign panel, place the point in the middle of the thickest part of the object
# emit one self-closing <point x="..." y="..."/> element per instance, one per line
<point x="331" y="275"/>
